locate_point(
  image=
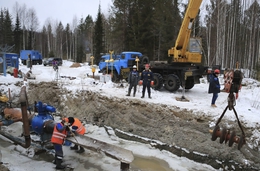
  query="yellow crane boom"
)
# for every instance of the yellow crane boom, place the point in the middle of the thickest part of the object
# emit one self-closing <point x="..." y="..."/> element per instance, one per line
<point x="186" y="49"/>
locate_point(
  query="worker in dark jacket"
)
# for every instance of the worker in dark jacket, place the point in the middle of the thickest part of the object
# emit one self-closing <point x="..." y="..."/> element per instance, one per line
<point x="214" y="86"/>
<point x="59" y="134"/>
<point x="78" y="128"/>
<point x="147" y="77"/>
<point x="133" y="79"/>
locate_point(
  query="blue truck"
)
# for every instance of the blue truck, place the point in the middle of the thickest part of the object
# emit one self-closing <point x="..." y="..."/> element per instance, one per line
<point x="11" y="59"/>
<point x="119" y="65"/>
<point x="35" y="55"/>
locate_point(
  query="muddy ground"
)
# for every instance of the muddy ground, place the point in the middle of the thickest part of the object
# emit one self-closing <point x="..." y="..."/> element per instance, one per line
<point x="184" y="132"/>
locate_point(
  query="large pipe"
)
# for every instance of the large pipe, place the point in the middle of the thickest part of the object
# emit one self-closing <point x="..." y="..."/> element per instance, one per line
<point x="26" y="125"/>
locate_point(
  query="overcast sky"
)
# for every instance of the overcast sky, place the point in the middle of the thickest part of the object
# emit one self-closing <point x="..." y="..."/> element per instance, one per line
<point x="60" y="10"/>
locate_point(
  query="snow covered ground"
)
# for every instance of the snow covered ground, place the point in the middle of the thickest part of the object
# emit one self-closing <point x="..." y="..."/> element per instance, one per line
<point x="247" y="107"/>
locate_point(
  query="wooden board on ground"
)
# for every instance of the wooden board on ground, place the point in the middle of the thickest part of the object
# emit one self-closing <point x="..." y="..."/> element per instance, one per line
<point x="115" y="152"/>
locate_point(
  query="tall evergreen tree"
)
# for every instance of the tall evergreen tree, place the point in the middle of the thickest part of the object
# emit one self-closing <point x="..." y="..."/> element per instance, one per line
<point x="167" y="22"/>
<point x="17" y="35"/>
<point x="68" y="42"/>
<point x="89" y="33"/>
<point x="98" y="37"/>
<point x="81" y="41"/>
<point x="1" y="27"/>
<point x="8" y="33"/>
<point x="44" y="44"/>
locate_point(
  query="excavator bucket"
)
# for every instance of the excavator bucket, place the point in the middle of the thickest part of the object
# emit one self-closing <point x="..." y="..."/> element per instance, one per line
<point x="227" y="136"/>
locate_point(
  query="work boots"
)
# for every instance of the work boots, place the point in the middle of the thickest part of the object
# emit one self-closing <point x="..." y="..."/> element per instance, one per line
<point x="55" y="160"/>
<point x="134" y="94"/>
<point x="129" y="92"/>
<point x="74" y="148"/>
<point x="142" y="95"/>
<point x="81" y="150"/>
<point x="58" y="161"/>
<point x="149" y="95"/>
<point x="58" y="164"/>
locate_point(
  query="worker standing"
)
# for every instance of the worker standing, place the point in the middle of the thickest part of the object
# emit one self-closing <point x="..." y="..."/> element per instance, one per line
<point x="77" y="128"/>
<point x="59" y="134"/>
<point x="29" y="62"/>
<point x="133" y="79"/>
<point x="214" y="86"/>
<point x="147" y="77"/>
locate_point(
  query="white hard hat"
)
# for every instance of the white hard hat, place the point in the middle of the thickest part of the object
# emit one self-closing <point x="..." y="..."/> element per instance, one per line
<point x="134" y="66"/>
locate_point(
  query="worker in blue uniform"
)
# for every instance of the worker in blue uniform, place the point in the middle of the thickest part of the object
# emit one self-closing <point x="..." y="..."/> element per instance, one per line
<point x="133" y="79"/>
<point x="146" y="78"/>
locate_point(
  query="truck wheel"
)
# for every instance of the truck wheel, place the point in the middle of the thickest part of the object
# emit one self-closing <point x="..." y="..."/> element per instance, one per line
<point x="172" y="83"/>
<point x="189" y="84"/>
<point x="158" y="81"/>
<point x="144" y="60"/>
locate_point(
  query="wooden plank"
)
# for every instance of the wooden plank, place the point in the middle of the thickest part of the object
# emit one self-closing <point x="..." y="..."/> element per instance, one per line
<point x="115" y="152"/>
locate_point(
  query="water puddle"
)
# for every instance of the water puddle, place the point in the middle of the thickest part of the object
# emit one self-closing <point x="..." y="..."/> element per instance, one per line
<point x="149" y="164"/>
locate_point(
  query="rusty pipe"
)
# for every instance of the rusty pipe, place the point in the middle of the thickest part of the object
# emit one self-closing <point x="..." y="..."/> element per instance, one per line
<point x="25" y="120"/>
<point x="26" y="125"/>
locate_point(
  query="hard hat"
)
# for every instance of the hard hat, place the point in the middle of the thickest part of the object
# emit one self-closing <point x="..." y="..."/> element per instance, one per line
<point x="147" y="65"/>
<point x="216" y="71"/>
<point x="134" y="66"/>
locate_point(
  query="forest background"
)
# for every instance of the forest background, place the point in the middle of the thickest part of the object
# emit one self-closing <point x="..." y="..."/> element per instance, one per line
<point x="230" y="32"/>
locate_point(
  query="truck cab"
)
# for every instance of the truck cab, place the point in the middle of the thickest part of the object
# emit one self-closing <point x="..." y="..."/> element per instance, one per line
<point x="119" y="65"/>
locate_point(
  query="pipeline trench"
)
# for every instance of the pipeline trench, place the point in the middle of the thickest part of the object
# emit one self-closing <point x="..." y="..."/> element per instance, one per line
<point x="181" y="131"/>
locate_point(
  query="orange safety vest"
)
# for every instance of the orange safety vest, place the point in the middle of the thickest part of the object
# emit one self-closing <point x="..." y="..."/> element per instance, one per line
<point x="81" y="129"/>
<point x="57" y="136"/>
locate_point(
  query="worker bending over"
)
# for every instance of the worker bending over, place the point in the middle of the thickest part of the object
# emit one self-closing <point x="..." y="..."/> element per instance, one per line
<point x="77" y="128"/>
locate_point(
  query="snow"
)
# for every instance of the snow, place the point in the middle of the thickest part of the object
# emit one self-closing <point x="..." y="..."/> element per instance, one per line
<point x="247" y="107"/>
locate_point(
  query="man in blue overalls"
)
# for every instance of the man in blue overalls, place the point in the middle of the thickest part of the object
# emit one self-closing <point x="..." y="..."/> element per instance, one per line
<point x="133" y="79"/>
<point x="147" y="77"/>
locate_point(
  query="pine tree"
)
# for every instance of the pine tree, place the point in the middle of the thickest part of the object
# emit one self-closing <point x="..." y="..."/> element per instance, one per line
<point x="88" y="30"/>
<point x="7" y="29"/>
<point x="98" y="37"/>
<point x="44" y="44"/>
<point x="17" y="35"/>
<point x="1" y="27"/>
<point x="67" y="37"/>
<point x="81" y="41"/>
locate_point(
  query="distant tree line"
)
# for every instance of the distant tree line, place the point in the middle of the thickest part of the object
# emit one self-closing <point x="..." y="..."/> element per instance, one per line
<point x="230" y="31"/>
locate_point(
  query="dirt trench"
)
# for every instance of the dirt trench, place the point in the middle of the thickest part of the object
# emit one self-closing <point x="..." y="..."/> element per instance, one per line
<point x="183" y="132"/>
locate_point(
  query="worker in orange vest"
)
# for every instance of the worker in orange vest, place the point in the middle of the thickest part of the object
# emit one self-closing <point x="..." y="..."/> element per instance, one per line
<point x="77" y="128"/>
<point x="59" y="134"/>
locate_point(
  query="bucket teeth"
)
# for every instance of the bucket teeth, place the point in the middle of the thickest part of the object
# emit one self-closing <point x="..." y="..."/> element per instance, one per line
<point x="215" y="133"/>
<point x="232" y="138"/>
<point x="226" y="136"/>
<point x="223" y="135"/>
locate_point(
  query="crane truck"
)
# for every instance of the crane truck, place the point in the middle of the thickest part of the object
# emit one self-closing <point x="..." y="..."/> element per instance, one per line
<point x="185" y="67"/>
